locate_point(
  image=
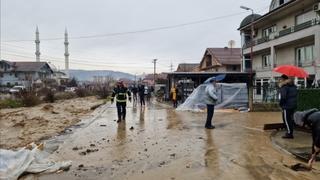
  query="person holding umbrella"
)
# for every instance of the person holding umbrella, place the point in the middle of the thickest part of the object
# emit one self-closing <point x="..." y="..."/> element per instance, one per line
<point x="288" y="103"/>
<point x="211" y="98"/>
<point x="288" y="94"/>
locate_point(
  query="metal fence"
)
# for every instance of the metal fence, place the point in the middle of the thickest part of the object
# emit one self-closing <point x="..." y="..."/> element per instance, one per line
<point x="265" y="94"/>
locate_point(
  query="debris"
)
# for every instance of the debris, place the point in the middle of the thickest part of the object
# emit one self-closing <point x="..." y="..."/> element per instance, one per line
<point x="92" y="145"/>
<point x="75" y="148"/>
<point x="131" y="128"/>
<point x="103" y="125"/>
<point x="81" y="166"/>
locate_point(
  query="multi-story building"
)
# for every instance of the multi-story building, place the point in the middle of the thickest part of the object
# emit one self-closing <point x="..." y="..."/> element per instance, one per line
<point x="288" y="34"/>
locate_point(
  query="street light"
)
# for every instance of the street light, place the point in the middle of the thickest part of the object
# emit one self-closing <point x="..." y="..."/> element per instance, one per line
<point x="251" y="56"/>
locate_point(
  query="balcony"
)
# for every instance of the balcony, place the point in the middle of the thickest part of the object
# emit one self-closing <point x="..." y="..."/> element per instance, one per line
<point x="282" y="33"/>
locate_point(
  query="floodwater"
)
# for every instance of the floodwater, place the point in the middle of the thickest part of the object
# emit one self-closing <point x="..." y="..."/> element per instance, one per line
<point x="166" y="144"/>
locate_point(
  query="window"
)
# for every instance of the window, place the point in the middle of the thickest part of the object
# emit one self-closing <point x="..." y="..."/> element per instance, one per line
<point x="266" y="61"/>
<point x="258" y="87"/>
<point x="234" y="68"/>
<point x="308" y="16"/>
<point x="304" y="54"/>
<point x="266" y="32"/>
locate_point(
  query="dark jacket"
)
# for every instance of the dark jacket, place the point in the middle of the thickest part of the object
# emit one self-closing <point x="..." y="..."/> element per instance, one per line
<point x="121" y="94"/>
<point x="141" y="90"/>
<point x="313" y="121"/>
<point x="288" y="96"/>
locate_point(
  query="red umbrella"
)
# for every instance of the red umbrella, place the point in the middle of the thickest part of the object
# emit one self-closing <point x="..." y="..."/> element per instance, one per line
<point x="291" y="70"/>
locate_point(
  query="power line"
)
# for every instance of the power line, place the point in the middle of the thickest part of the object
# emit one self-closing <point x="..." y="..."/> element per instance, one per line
<point x="81" y="63"/>
<point x="137" y="31"/>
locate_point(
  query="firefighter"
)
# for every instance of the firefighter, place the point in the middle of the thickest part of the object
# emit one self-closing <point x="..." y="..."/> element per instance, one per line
<point x="121" y="92"/>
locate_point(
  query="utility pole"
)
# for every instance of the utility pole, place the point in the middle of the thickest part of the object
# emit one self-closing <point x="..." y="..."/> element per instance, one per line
<point x="251" y="57"/>
<point x="171" y="67"/>
<point x="154" y="71"/>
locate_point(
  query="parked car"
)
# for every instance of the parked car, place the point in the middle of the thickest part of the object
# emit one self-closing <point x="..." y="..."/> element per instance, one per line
<point x="16" y="89"/>
<point x="70" y="89"/>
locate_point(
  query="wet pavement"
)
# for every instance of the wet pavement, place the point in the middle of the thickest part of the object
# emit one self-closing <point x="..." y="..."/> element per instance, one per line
<point x="158" y="142"/>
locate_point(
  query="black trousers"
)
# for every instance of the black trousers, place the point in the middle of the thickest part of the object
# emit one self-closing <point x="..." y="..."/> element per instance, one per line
<point x="287" y="116"/>
<point x="210" y="111"/>
<point x="142" y="100"/>
<point x="121" y="108"/>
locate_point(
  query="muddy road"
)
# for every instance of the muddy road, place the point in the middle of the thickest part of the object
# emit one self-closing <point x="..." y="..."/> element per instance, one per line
<point x="159" y="143"/>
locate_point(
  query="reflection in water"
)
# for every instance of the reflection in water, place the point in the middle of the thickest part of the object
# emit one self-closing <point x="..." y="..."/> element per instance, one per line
<point x="211" y="155"/>
<point x="173" y="119"/>
<point x="121" y="132"/>
<point x="141" y="118"/>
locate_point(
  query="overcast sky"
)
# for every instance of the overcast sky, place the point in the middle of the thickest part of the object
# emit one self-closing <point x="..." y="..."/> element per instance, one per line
<point x="132" y="52"/>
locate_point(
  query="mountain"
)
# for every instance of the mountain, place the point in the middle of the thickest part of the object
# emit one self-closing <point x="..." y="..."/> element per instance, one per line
<point x="87" y="75"/>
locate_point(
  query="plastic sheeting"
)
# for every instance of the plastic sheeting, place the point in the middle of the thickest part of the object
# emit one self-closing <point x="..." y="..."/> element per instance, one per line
<point x="229" y="96"/>
<point x="28" y="160"/>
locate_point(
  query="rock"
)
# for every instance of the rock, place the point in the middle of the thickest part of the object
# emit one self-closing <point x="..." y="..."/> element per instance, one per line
<point x="103" y="125"/>
<point x="188" y="166"/>
<point x="83" y="153"/>
<point x="81" y="166"/>
<point x="173" y="155"/>
<point x="131" y="128"/>
<point x="75" y="148"/>
<point x="92" y="145"/>
<point x="146" y="149"/>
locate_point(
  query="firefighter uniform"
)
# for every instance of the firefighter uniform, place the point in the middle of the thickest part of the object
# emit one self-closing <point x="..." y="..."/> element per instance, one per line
<point x="120" y="93"/>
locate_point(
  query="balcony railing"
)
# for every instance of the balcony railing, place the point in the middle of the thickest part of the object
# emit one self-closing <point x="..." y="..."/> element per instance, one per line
<point x="282" y="33"/>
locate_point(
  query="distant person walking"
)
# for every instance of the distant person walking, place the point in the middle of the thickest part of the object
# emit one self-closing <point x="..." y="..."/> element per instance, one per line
<point x="120" y="92"/>
<point x="288" y="103"/>
<point x="141" y="94"/>
<point x="211" y="100"/>
<point x="173" y="94"/>
<point x="134" y="91"/>
<point x="311" y="118"/>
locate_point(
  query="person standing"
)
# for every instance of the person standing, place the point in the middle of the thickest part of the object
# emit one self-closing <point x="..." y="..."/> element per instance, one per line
<point x="173" y="93"/>
<point x="120" y="92"/>
<point x="288" y="103"/>
<point x="134" y="91"/>
<point x="141" y="94"/>
<point x="211" y="100"/>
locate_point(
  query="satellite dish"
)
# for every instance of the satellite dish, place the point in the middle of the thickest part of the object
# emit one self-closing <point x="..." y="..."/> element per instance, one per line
<point x="231" y="43"/>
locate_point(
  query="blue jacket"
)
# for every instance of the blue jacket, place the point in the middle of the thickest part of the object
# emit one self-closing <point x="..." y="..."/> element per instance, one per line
<point x="288" y="96"/>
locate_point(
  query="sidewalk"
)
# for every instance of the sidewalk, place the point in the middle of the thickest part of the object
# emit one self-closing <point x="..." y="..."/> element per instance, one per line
<point x="300" y="146"/>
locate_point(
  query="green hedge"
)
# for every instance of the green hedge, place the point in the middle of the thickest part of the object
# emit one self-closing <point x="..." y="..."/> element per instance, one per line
<point x="308" y="98"/>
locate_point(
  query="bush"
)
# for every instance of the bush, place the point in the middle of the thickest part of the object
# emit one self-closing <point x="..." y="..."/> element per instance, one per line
<point x="29" y="98"/>
<point x="308" y="99"/>
<point x="102" y="92"/>
<point x="10" y="103"/>
<point x="65" y="95"/>
<point x="49" y="97"/>
<point x="82" y="92"/>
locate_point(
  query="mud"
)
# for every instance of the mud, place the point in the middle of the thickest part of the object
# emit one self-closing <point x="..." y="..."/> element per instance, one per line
<point x="165" y="144"/>
<point x="21" y="126"/>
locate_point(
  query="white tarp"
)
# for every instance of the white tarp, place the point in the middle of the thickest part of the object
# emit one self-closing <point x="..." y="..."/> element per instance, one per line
<point x="233" y="95"/>
<point x="28" y="160"/>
